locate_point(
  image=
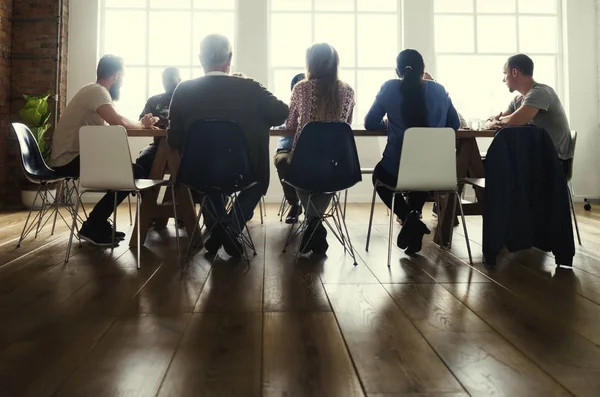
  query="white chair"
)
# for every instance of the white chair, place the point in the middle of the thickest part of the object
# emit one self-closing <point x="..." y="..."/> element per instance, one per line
<point x="106" y="166"/>
<point x="427" y="164"/>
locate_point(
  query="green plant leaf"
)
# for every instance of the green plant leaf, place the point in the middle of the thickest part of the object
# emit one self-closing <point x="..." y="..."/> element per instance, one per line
<point x="31" y="116"/>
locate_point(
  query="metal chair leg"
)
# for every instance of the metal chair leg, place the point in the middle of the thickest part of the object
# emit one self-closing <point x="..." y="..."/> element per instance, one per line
<point x="462" y="216"/>
<point x="390" y="232"/>
<point x="371" y="218"/>
<point x="23" y="233"/>
<point x="260" y="207"/>
<point x="175" y="216"/>
<point x="130" y="217"/>
<point x="114" y="228"/>
<point x="570" y="191"/>
<point x="345" y="202"/>
<point x="139" y="225"/>
<point x="73" y="227"/>
<point x="57" y="202"/>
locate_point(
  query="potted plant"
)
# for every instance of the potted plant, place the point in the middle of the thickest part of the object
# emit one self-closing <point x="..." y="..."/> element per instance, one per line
<point x="36" y="114"/>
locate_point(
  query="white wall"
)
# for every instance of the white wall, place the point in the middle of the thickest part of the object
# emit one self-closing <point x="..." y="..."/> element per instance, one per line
<point x="581" y="23"/>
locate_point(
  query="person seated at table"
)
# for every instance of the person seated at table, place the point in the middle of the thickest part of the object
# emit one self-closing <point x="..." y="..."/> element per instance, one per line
<point x="320" y="97"/>
<point x="218" y="95"/>
<point x="410" y="101"/>
<point x="537" y="103"/>
<point x="282" y="158"/>
<point x="158" y="106"/>
<point x="94" y="105"/>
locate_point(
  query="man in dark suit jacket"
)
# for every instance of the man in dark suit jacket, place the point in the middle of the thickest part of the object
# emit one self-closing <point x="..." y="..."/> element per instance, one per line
<point x="218" y="95"/>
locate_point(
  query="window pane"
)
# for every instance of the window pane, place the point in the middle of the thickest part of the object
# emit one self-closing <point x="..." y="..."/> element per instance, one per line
<point x="341" y="37"/>
<point x="214" y="4"/>
<point x="454" y="34"/>
<point x="125" y="35"/>
<point x="206" y="23"/>
<point x="370" y="55"/>
<point x="453" y="6"/>
<point x="170" y="38"/>
<point x="538" y="34"/>
<point x="489" y="96"/>
<point x="495" y="6"/>
<point x="291" y="5"/>
<point x="290" y="49"/>
<point x="155" y="80"/>
<point x="377" y="5"/>
<point x="545" y="70"/>
<point x="537" y="6"/>
<point x="281" y="86"/>
<point x="348" y="76"/>
<point x="334" y="5"/>
<point x="133" y="93"/>
<point x="170" y="4"/>
<point x="125" y="3"/>
<point x="368" y="85"/>
<point x="488" y="37"/>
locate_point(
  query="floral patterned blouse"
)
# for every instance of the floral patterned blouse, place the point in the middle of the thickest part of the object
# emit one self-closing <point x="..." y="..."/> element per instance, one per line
<point x="303" y="106"/>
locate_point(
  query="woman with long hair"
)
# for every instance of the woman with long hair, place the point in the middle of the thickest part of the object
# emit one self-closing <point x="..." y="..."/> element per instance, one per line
<point x="410" y="101"/>
<point x="321" y="96"/>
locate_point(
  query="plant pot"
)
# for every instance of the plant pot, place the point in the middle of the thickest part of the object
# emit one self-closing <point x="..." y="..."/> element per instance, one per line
<point x="28" y="195"/>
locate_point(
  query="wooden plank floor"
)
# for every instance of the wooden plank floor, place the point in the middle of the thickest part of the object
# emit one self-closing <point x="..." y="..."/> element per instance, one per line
<point x="431" y="325"/>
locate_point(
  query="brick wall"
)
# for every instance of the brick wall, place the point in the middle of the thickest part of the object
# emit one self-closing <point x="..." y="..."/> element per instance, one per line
<point x="5" y="44"/>
<point x="33" y="40"/>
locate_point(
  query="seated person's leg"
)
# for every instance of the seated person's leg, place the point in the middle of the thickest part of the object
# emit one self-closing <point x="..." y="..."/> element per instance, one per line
<point x="68" y="170"/>
<point x="96" y="229"/>
<point x="213" y="212"/>
<point x="281" y="163"/>
<point x="315" y="236"/>
<point x="146" y="159"/>
<point x="401" y="209"/>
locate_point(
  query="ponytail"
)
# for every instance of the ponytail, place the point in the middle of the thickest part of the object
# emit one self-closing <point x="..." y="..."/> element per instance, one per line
<point x="410" y="68"/>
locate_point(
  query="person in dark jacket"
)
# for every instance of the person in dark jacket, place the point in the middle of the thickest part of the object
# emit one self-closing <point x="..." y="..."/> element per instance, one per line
<point x="526" y="196"/>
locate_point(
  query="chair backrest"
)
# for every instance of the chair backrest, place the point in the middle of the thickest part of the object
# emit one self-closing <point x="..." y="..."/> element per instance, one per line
<point x="105" y="158"/>
<point x="215" y="157"/>
<point x="32" y="161"/>
<point x="569" y="170"/>
<point x="325" y="158"/>
<point x="428" y="160"/>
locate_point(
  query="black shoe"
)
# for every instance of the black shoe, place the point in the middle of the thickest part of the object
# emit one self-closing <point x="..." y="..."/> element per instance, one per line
<point x="215" y="241"/>
<point x="293" y="214"/>
<point x="405" y="235"/>
<point x="232" y="244"/>
<point x="416" y="242"/>
<point x="107" y="227"/>
<point x="309" y="235"/>
<point x="319" y="245"/>
<point x="96" y="235"/>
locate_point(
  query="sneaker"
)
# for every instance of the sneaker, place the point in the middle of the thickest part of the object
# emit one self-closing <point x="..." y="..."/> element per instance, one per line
<point x="96" y="235"/>
<point x="232" y="243"/>
<point x="215" y="240"/>
<point x="320" y="245"/>
<point x="293" y="214"/>
<point x="118" y="235"/>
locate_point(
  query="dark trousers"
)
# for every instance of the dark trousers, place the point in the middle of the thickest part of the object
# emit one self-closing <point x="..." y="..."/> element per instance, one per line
<point x="104" y="208"/>
<point x="282" y="160"/>
<point x="247" y="201"/>
<point x="414" y="202"/>
<point x="146" y="159"/>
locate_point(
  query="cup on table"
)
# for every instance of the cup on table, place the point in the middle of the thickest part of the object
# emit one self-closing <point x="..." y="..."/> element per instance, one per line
<point x="476" y="124"/>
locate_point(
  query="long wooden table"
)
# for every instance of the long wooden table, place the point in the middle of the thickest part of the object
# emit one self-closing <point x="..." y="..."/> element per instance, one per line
<point x="468" y="164"/>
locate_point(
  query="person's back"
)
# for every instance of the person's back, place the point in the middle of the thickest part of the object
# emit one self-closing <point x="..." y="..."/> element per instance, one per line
<point x="80" y="111"/>
<point x="440" y="113"/>
<point x="220" y="96"/>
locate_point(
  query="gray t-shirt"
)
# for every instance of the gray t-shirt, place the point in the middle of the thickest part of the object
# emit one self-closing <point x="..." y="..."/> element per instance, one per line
<point x="551" y="116"/>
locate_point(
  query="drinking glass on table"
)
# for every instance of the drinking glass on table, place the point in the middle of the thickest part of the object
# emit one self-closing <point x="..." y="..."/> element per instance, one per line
<point x="476" y="124"/>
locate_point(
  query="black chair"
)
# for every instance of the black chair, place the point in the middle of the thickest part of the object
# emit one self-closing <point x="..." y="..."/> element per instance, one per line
<point x="325" y="161"/>
<point x="36" y="171"/>
<point x="215" y="161"/>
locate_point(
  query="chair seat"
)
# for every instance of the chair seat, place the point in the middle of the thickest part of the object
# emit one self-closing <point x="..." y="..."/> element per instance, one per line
<point x="144" y="184"/>
<point x="477" y="182"/>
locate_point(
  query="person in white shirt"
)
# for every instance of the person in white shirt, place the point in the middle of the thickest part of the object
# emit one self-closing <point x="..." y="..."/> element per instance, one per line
<point x="93" y="105"/>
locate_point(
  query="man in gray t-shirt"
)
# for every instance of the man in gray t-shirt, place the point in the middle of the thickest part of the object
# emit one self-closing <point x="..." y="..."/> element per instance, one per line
<point x="538" y="104"/>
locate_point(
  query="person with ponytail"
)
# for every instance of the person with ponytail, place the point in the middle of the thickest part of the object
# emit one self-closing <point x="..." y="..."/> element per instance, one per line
<point x="321" y="96"/>
<point x="410" y="101"/>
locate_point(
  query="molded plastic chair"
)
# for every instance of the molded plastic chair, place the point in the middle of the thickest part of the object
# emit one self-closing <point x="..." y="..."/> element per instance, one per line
<point x="427" y="164"/>
<point x="325" y="161"/>
<point x="106" y="166"/>
<point x="36" y="171"/>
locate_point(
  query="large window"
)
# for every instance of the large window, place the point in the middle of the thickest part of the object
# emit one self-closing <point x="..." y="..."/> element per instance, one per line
<point x="153" y="34"/>
<point x="473" y="39"/>
<point x="366" y="34"/>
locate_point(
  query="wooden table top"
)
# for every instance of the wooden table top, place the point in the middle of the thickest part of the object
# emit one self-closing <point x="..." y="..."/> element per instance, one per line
<point x="357" y="132"/>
